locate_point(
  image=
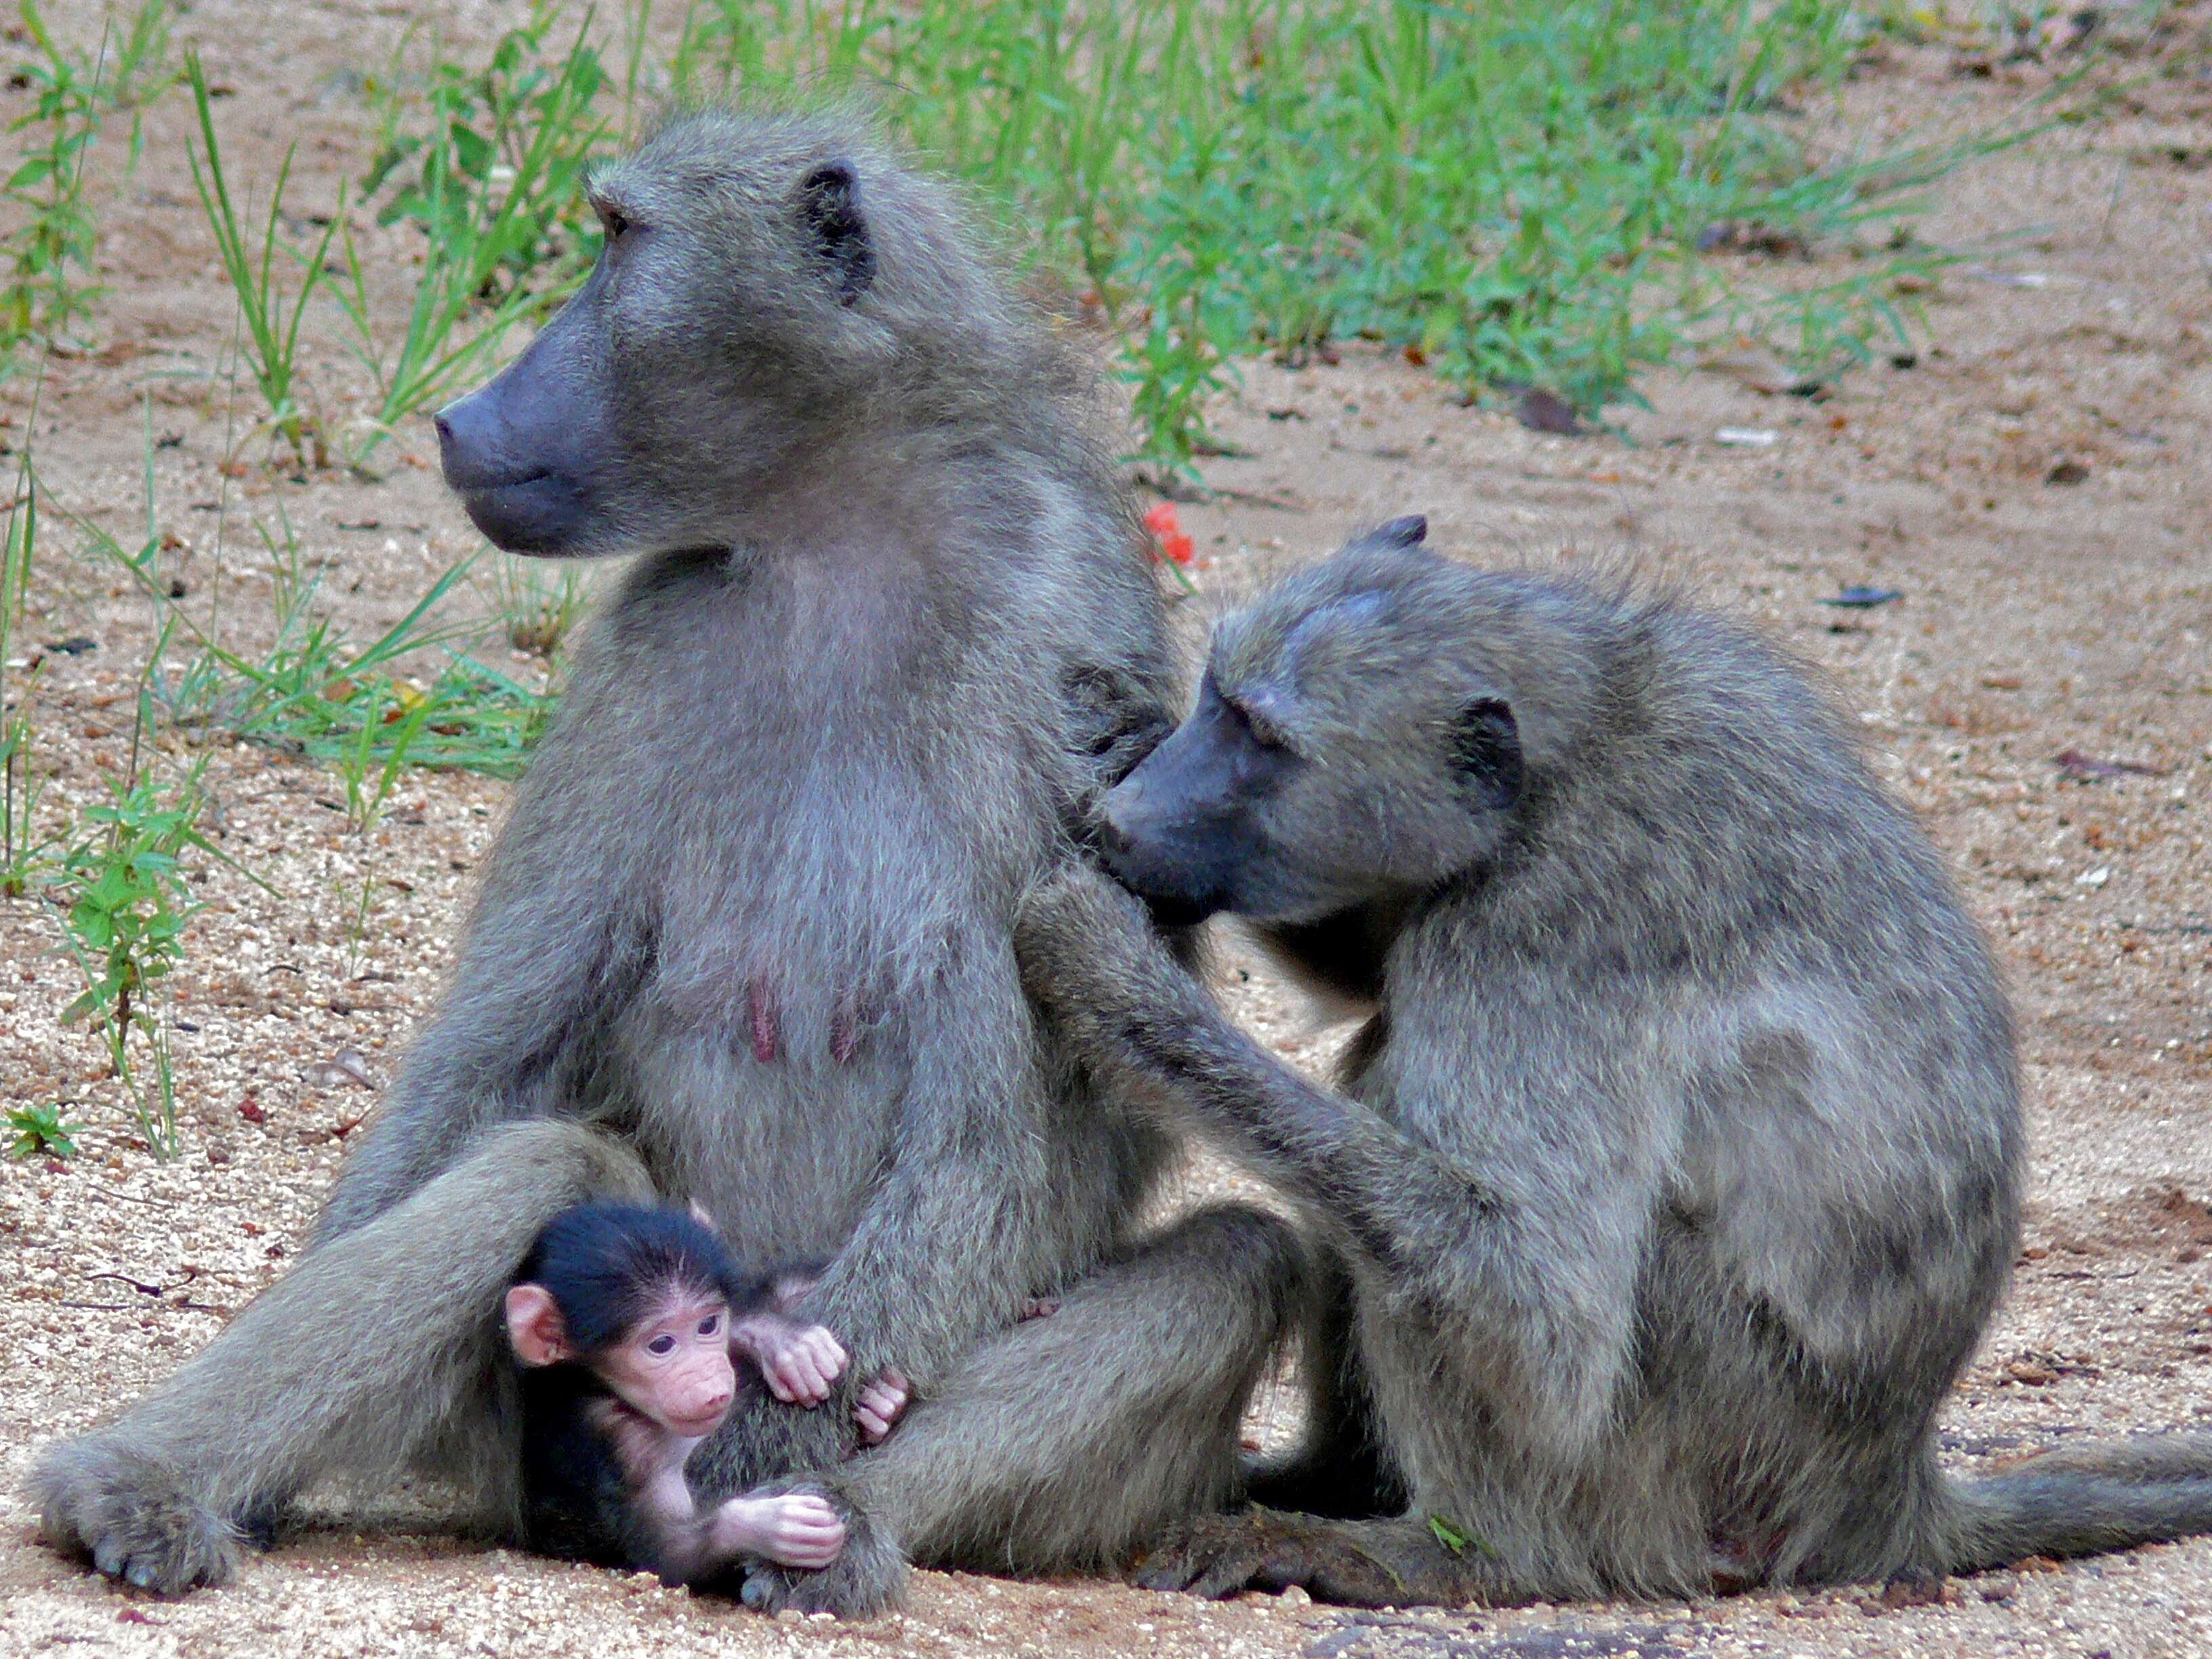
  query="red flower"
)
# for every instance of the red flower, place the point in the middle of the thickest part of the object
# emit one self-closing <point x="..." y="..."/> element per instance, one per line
<point x="1173" y="543"/>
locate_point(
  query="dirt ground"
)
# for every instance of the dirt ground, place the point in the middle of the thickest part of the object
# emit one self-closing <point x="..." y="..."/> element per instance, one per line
<point x="2038" y="484"/>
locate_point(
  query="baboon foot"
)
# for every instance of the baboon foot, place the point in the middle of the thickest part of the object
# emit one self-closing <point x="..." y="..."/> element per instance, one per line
<point x="1368" y="1564"/>
<point x="868" y="1579"/>
<point x="131" y="1518"/>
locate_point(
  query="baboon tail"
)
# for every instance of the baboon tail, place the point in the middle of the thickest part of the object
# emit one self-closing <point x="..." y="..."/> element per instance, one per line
<point x="2107" y="1495"/>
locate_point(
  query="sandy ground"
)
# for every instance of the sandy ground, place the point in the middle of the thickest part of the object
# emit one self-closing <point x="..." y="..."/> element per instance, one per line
<point x="2040" y="617"/>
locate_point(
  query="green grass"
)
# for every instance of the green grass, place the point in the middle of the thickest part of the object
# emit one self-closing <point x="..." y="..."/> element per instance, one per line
<point x="125" y="907"/>
<point x="1516" y="191"/>
<point x="308" y="688"/>
<point x="490" y="164"/>
<point x="271" y="336"/>
<point x="23" y="847"/>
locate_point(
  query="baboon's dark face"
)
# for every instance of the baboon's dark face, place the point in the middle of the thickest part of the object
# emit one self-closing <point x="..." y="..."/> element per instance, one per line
<point x="716" y="331"/>
<point x="1348" y="745"/>
<point x="1185" y="830"/>
<point x="534" y="454"/>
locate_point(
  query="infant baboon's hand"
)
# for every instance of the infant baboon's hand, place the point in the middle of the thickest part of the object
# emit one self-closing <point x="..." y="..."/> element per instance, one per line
<point x="882" y="1403"/>
<point x="794" y="1529"/>
<point x="801" y="1363"/>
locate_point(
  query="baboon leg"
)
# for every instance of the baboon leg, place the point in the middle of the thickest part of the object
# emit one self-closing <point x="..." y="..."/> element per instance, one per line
<point x="1070" y="1442"/>
<point x="375" y="1350"/>
<point x="1339" y="1468"/>
<point x="1367" y="1564"/>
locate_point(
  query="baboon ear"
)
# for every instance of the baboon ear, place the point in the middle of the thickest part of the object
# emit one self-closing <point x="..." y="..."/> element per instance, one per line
<point x="1486" y="748"/>
<point x="1409" y="532"/>
<point x="829" y="206"/>
<point x="534" y="1326"/>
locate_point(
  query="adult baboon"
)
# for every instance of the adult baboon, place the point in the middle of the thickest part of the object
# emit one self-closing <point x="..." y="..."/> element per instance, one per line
<point x="1677" y="1167"/>
<point x="746" y="937"/>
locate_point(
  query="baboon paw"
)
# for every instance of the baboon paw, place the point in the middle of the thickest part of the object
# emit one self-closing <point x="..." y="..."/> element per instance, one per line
<point x="1212" y="1555"/>
<point x="868" y="1579"/>
<point x="131" y="1518"/>
<point x="1218" y="1555"/>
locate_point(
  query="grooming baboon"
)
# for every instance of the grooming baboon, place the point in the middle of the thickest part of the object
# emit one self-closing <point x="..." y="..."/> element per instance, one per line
<point x="1677" y="1166"/>
<point x="746" y="937"/>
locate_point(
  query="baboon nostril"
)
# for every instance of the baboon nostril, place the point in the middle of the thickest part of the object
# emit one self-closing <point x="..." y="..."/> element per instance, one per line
<point x="1112" y="838"/>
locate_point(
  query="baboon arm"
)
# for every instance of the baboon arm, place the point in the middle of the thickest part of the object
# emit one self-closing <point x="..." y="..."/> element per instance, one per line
<point x="946" y="1245"/>
<point x="1521" y="1236"/>
<point x="1090" y="956"/>
<point x="545" y="962"/>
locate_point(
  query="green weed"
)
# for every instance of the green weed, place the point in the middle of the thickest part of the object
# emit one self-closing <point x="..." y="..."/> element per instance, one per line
<point x="313" y="691"/>
<point x="370" y="765"/>
<point x="49" y="256"/>
<point x="272" y="338"/>
<point x="127" y="909"/>
<point x="536" y="606"/>
<point x="357" y="934"/>
<point x="490" y="163"/>
<point x="39" y="1130"/>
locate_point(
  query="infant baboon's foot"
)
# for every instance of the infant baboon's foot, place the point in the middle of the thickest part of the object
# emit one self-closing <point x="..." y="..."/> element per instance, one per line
<point x="131" y="1518"/>
<point x="1357" y="1563"/>
<point x="868" y="1578"/>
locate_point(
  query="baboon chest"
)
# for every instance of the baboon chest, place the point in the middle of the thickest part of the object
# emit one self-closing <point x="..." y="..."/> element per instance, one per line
<point x="821" y="851"/>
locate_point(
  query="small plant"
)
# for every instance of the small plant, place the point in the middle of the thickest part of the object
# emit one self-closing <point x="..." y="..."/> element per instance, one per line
<point x="39" y="1130"/>
<point x="371" y="765"/>
<point x="272" y="338"/>
<point x="356" y="935"/>
<point x="127" y="907"/>
<point x="313" y="692"/>
<point x="22" y="849"/>
<point x="534" y="612"/>
<point x="48" y="257"/>
<point x="493" y="172"/>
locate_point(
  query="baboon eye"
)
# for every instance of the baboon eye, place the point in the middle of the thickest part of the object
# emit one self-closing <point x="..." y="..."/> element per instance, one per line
<point x="1265" y="732"/>
<point x="710" y="1324"/>
<point x="661" y="1344"/>
<point x="1262" y="730"/>
<point x="613" y="222"/>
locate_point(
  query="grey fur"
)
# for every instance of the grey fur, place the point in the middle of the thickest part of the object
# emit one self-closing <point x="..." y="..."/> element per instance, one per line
<point x="1677" y="1167"/>
<point x="746" y="937"/>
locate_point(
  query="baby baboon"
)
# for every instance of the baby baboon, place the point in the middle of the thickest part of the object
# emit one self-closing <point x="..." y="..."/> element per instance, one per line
<point x="1677" y="1166"/>
<point x="746" y="937"/>
<point x="626" y="1321"/>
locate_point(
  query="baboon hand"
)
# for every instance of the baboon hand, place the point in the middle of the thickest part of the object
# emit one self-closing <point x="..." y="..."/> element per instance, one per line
<point x="793" y="1529"/>
<point x="1085" y="945"/>
<point x="882" y="1403"/>
<point x="131" y="1518"/>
